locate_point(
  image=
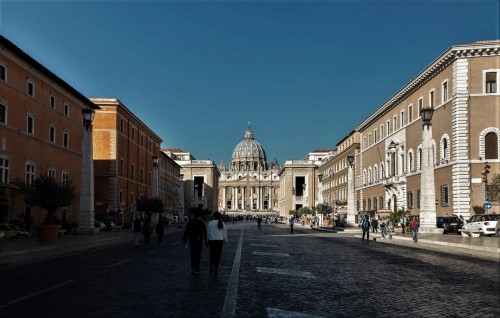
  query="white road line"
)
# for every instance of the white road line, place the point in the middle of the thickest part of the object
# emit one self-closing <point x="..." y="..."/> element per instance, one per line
<point x="278" y="313"/>
<point x="110" y="266"/>
<point x="264" y="245"/>
<point x="284" y="271"/>
<point x="232" y="288"/>
<point x="271" y="254"/>
<point x="35" y="294"/>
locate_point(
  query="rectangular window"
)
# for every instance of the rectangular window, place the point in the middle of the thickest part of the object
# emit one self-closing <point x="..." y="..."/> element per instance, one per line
<point x="491" y="82"/>
<point x="370" y="140"/>
<point x="394" y="124"/>
<point x="66" y="110"/>
<point x="444" y="93"/>
<point x="4" y="170"/>
<point x="121" y="167"/>
<point x="121" y="196"/>
<point x="418" y="199"/>
<point x="133" y="134"/>
<point x="51" y="172"/>
<point x="30" y="125"/>
<point x="132" y="172"/>
<point x="31" y="89"/>
<point x="142" y="175"/>
<point x="3" y="114"/>
<point x="52" y="101"/>
<point x="3" y="73"/>
<point x="388" y="128"/>
<point x="381" y="132"/>
<point x="121" y="126"/>
<point x="410" y="114"/>
<point x="375" y="136"/>
<point x="65" y="177"/>
<point x="52" y="134"/>
<point x="410" y="200"/>
<point x="401" y="119"/>
<point x="431" y="99"/>
<point x="381" y="202"/>
<point x="444" y="196"/>
<point x="420" y="106"/>
<point x="65" y="140"/>
<point x="30" y="173"/>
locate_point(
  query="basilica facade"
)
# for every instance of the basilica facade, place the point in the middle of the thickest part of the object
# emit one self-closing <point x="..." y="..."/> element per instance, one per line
<point x="249" y="185"/>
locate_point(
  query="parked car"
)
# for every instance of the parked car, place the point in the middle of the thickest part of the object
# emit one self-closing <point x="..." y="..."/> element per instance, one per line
<point x="486" y="223"/>
<point x="449" y="224"/>
<point x="13" y="231"/>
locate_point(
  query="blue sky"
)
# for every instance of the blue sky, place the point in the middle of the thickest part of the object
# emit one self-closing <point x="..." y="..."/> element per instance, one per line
<point x="304" y="73"/>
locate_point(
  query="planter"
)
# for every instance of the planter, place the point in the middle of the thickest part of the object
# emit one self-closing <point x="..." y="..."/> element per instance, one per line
<point x="326" y="223"/>
<point x="48" y="232"/>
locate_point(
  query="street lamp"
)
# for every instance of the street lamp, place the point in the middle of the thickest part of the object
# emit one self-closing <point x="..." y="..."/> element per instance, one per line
<point x="86" y="215"/>
<point x="427" y="186"/>
<point x="351" y="210"/>
<point x="155" y="176"/>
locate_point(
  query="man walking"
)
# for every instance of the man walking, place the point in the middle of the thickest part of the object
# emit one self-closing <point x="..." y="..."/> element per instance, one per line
<point x="414" y="228"/>
<point x="196" y="234"/>
<point x="292" y="221"/>
<point x="365" y="226"/>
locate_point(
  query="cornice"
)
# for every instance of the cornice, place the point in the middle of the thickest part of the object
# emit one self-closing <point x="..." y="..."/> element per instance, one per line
<point x="477" y="49"/>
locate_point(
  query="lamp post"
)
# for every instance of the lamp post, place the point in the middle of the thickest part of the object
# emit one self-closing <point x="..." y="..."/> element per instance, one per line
<point x="181" y="200"/>
<point x="427" y="186"/>
<point x="351" y="210"/>
<point x="86" y="215"/>
<point x="155" y="176"/>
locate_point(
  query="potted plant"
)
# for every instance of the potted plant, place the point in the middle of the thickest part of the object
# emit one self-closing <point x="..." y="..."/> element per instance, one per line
<point x="46" y="193"/>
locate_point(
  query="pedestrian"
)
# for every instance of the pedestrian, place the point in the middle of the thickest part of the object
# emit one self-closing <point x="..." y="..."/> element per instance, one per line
<point x="383" y="228"/>
<point x="414" y="225"/>
<point x="292" y="221"/>
<point x="147" y="229"/>
<point x="259" y="221"/>
<point x="196" y="234"/>
<point x="137" y="230"/>
<point x="403" y="224"/>
<point x="160" y="231"/>
<point x="217" y="236"/>
<point x="365" y="226"/>
<point x="374" y="225"/>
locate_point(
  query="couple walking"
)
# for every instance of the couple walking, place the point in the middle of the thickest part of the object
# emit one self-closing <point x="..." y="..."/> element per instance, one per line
<point x="213" y="235"/>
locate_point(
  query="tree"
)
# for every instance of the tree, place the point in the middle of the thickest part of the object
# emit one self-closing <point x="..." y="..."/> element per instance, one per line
<point x="149" y="205"/>
<point x="494" y="189"/>
<point x="325" y="211"/>
<point x="46" y="193"/>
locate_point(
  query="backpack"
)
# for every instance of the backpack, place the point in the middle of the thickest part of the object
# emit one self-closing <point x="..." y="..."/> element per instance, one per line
<point x="365" y="225"/>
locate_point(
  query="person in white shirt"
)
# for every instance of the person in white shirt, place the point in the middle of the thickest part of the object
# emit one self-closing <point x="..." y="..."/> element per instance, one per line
<point x="217" y="236"/>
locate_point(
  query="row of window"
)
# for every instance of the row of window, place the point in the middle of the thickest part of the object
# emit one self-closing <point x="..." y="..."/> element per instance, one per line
<point x="141" y="175"/>
<point x="396" y="164"/>
<point x="30" y="127"/>
<point x="30" y="172"/>
<point x="132" y="135"/>
<point x="372" y="203"/>
<point x="490" y="87"/>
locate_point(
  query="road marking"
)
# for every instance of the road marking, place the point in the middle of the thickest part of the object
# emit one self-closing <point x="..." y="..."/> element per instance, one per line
<point x="264" y="245"/>
<point x="271" y="254"/>
<point x="118" y="263"/>
<point x="284" y="271"/>
<point x="35" y="294"/>
<point x="278" y="313"/>
<point x="232" y="288"/>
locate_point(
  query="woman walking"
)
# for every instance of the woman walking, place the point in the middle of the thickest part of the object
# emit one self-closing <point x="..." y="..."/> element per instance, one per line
<point x="217" y="235"/>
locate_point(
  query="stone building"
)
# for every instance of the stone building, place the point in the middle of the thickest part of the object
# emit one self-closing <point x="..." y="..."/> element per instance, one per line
<point x="250" y="185"/>
<point x="124" y="148"/>
<point x="462" y="87"/>
<point x="41" y="133"/>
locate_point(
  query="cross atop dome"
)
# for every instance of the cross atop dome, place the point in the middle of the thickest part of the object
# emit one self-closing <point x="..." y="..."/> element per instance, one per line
<point x="249" y="133"/>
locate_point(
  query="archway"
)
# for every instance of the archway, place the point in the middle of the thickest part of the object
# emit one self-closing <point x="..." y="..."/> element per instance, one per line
<point x="394" y="203"/>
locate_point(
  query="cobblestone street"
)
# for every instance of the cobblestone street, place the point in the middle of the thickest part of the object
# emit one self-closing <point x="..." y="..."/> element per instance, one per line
<point x="264" y="273"/>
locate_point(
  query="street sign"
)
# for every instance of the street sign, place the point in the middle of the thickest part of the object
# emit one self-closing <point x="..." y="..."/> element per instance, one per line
<point x="487" y="205"/>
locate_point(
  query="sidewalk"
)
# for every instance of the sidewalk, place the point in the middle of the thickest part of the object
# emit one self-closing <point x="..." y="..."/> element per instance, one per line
<point x="486" y="246"/>
<point x="16" y="251"/>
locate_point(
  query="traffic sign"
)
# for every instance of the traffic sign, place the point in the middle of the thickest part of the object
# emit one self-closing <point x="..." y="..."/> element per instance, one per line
<point x="487" y="205"/>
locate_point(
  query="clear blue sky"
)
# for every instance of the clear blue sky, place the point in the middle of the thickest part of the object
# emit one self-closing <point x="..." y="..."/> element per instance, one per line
<point x="304" y="73"/>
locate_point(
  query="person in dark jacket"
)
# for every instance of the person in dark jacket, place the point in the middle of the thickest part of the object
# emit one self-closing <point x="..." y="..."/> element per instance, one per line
<point x="160" y="231"/>
<point x="196" y="234"/>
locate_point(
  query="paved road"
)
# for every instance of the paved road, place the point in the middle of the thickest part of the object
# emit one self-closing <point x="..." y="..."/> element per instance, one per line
<point x="264" y="273"/>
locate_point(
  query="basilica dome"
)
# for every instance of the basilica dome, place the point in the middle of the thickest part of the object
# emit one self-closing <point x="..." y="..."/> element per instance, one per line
<point x="248" y="155"/>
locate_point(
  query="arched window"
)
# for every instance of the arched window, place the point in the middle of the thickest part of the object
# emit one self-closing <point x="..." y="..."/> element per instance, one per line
<point x="375" y="173"/>
<point x="364" y="177"/>
<point x="491" y="146"/>
<point x="370" y="180"/>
